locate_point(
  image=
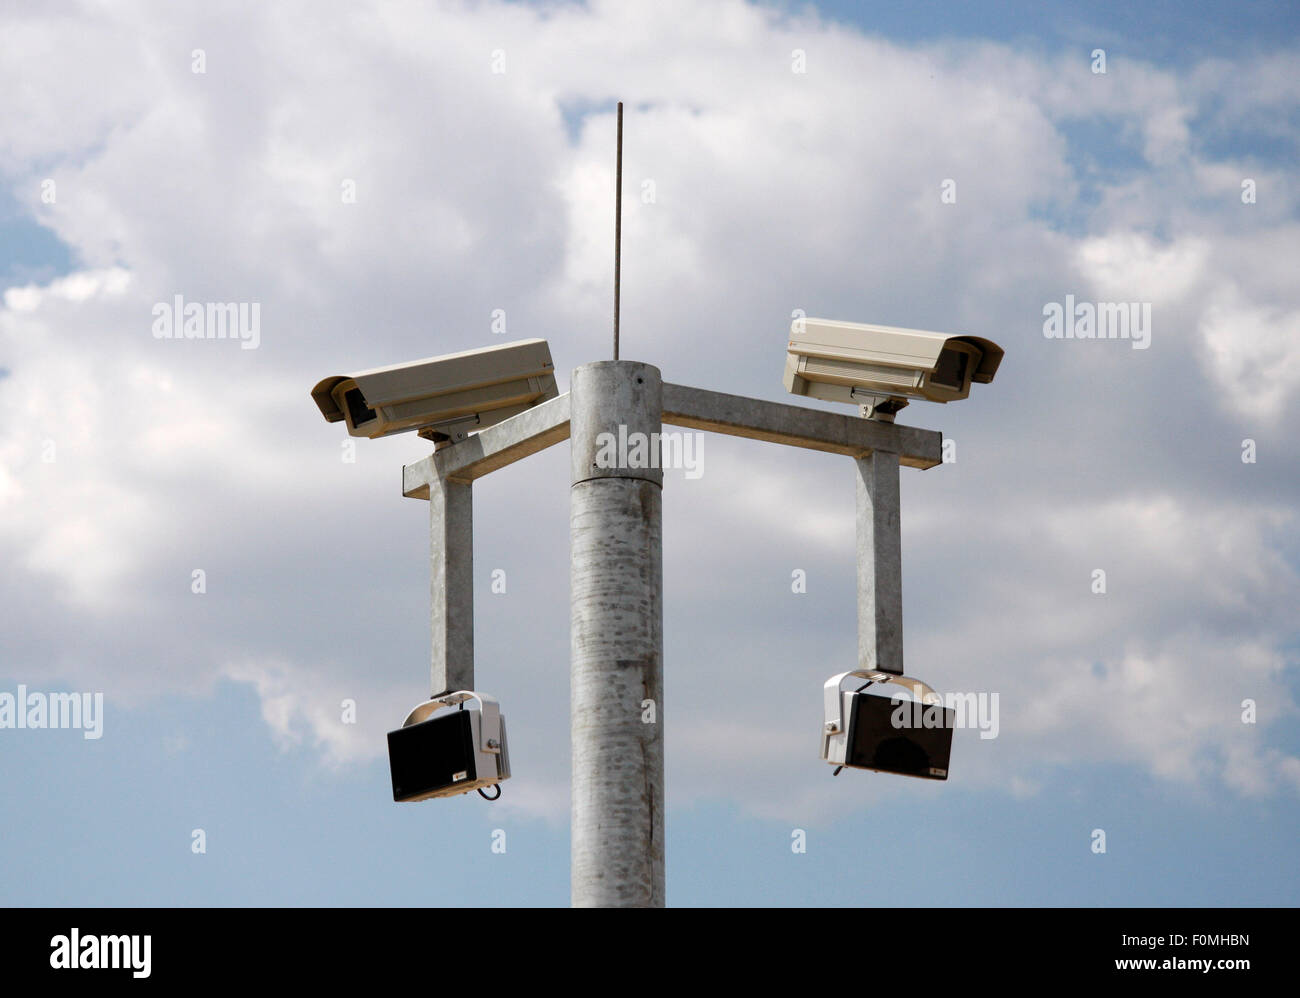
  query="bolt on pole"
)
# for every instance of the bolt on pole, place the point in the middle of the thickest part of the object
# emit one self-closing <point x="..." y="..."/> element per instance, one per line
<point x="616" y="604"/>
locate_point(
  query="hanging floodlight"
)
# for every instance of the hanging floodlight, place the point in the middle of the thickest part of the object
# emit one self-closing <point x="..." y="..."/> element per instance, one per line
<point x="910" y="737"/>
<point x="455" y="753"/>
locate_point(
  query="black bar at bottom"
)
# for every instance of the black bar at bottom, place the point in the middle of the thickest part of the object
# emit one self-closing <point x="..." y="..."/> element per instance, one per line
<point x="378" y="947"/>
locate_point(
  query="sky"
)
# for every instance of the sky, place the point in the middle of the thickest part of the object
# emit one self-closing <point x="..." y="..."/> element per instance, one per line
<point x="1112" y="549"/>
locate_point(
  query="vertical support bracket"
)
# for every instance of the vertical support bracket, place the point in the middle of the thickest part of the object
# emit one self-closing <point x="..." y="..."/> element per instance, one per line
<point x="451" y="564"/>
<point x="880" y="564"/>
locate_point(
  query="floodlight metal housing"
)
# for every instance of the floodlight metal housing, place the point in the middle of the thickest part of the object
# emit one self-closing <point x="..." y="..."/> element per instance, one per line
<point x="864" y="364"/>
<point x="861" y="730"/>
<point x="444" y="398"/>
<point x="455" y="753"/>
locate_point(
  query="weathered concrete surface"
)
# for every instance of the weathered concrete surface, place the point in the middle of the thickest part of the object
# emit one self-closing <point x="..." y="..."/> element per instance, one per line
<point x="616" y="670"/>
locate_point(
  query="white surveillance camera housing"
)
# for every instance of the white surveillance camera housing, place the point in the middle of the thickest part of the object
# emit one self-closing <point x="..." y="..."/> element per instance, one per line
<point x="454" y="753"/>
<point x="881" y="367"/>
<point x="444" y="398"/>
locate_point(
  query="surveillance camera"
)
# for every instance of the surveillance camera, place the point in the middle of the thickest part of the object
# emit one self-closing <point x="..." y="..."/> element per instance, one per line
<point x="888" y="735"/>
<point x="452" y="754"/>
<point x="881" y="367"/>
<point x="444" y="398"/>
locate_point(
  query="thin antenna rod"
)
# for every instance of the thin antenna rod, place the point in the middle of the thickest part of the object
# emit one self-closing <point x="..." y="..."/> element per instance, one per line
<point x="618" y="225"/>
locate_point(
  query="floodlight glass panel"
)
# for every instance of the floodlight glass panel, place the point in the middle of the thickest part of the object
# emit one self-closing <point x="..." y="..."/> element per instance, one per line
<point x="432" y="755"/>
<point x="875" y="742"/>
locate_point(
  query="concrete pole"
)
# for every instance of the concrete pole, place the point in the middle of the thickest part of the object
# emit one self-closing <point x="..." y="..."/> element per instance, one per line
<point x="880" y="564"/>
<point x="616" y="594"/>
<point x="451" y="558"/>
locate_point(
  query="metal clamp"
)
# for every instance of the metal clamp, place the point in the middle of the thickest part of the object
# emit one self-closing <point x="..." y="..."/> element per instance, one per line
<point x="489" y="709"/>
<point x="834" y="701"/>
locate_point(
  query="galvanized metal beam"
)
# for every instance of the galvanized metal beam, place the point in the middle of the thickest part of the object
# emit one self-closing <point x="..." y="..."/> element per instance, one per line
<point x="834" y="433"/>
<point x="445" y="480"/>
<point x="488" y="450"/>
<point x="451" y="588"/>
<point x="880" y="564"/>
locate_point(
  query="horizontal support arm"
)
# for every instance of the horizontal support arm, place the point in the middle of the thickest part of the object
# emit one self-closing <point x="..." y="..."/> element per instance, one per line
<point x="505" y="443"/>
<point x="698" y="409"/>
<point x="547" y="424"/>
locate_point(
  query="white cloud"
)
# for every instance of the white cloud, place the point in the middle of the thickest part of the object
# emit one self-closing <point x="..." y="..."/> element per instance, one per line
<point x="1129" y="266"/>
<point x="1251" y="354"/>
<point x="304" y="708"/>
<point x="774" y="191"/>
